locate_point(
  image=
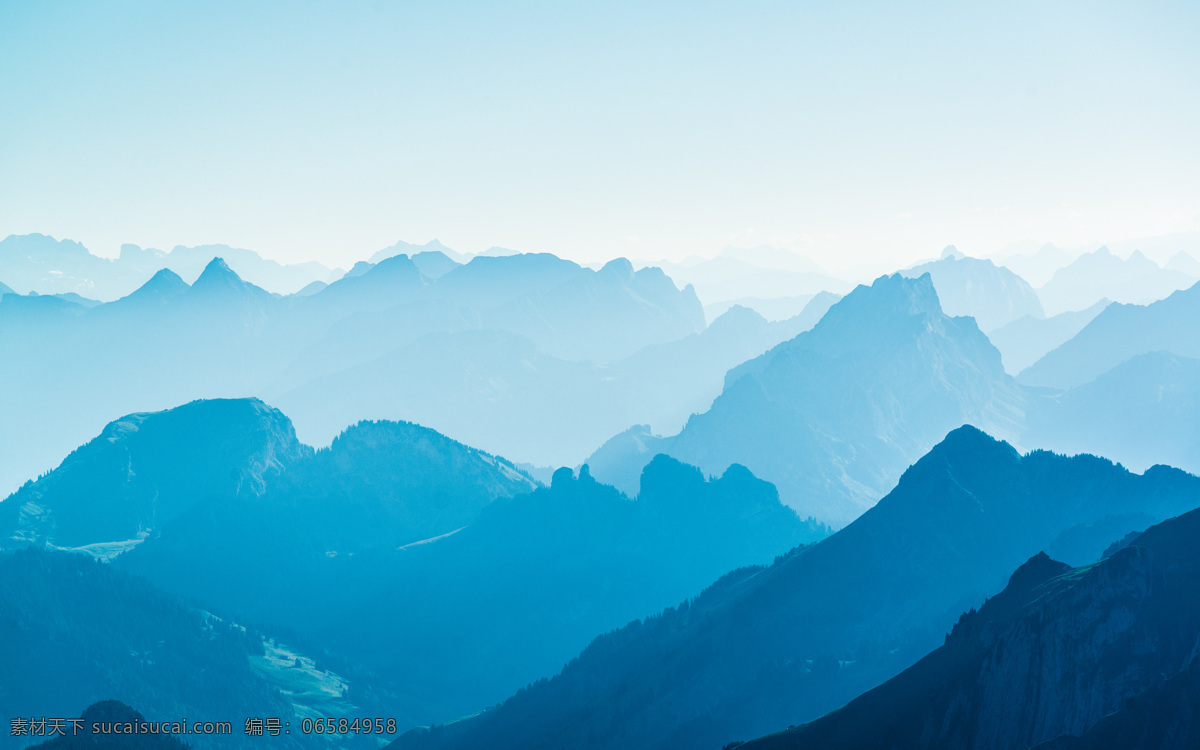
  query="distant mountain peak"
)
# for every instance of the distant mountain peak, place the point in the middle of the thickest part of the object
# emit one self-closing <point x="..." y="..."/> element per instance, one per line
<point x="737" y="315"/>
<point x="359" y="268"/>
<point x="163" y="285"/>
<point x="950" y="251"/>
<point x="619" y="267"/>
<point x="901" y="295"/>
<point x="969" y="442"/>
<point x="217" y="272"/>
<point x="1036" y="571"/>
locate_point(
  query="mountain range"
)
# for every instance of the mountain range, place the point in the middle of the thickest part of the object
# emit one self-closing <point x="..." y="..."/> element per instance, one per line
<point x="1119" y="333"/>
<point x="501" y="391"/>
<point x="833" y="416"/>
<point x="407" y="534"/>
<point x="765" y="647"/>
<point x="1027" y="339"/>
<point x="1101" y="274"/>
<point x="1103" y="655"/>
<point x="170" y="342"/>
<point x="35" y="262"/>
<point x="993" y="295"/>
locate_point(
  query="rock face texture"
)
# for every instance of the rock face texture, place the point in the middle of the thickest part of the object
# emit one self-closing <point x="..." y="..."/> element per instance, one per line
<point x="1099" y="656"/>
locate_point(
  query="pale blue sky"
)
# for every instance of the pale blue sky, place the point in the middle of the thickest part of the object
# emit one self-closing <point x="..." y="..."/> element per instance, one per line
<point x="857" y="132"/>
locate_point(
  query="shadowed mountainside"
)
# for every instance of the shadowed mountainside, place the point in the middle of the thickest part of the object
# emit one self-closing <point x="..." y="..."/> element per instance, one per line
<point x="1107" y="651"/>
<point x="765" y="647"/>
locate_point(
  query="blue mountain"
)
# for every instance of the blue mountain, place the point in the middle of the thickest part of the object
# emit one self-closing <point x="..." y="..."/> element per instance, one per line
<point x="765" y="647"/>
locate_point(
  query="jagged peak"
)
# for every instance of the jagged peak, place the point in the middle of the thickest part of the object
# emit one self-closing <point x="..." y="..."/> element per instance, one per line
<point x="888" y="296"/>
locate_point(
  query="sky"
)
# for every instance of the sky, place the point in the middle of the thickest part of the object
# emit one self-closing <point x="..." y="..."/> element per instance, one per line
<point x="851" y="132"/>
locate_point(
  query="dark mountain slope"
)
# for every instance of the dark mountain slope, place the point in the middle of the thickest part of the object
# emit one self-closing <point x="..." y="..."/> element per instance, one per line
<point x="1118" y="334"/>
<point x="1051" y="655"/>
<point x="145" y="470"/>
<point x="550" y="570"/>
<point x="767" y="647"/>
<point x="74" y="631"/>
<point x="1163" y="717"/>
<point x="101" y="715"/>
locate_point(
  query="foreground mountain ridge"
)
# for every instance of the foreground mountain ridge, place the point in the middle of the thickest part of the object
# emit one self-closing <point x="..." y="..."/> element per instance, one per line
<point x="767" y="647"/>
<point x="1095" y="656"/>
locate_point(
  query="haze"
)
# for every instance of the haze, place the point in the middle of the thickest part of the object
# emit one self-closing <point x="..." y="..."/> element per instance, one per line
<point x="866" y="134"/>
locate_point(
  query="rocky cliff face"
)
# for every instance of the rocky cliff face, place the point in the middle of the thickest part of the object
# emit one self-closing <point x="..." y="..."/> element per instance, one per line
<point x="1047" y="660"/>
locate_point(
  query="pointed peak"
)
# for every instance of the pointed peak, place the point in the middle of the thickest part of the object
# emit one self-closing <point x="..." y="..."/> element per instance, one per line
<point x="950" y="251"/>
<point x="217" y="268"/>
<point x="1102" y="251"/>
<point x="1036" y="571"/>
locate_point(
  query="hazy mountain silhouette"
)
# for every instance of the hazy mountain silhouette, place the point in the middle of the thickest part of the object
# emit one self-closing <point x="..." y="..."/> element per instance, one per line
<point x="993" y="295"/>
<point x="167" y="342"/>
<point x="40" y="263"/>
<point x="1037" y="267"/>
<point x="189" y="262"/>
<point x="765" y="647"/>
<point x="1027" y="339"/>
<point x="1120" y="333"/>
<point x="145" y="470"/>
<point x="807" y="306"/>
<point x="1107" y="651"/>
<point x="1184" y="263"/>
<point x="1100" y="274"/>
<point x="497" y="390"/>
<point x="410" y="249"/>
<point x="833" y="416"/>
<point x="434" y="264"/>
<point x="1142" y="412"/>
<point x="763" y="273"/>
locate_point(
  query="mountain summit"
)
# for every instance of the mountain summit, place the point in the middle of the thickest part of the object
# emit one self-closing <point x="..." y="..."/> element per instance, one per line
<point x="833" y="416"/>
